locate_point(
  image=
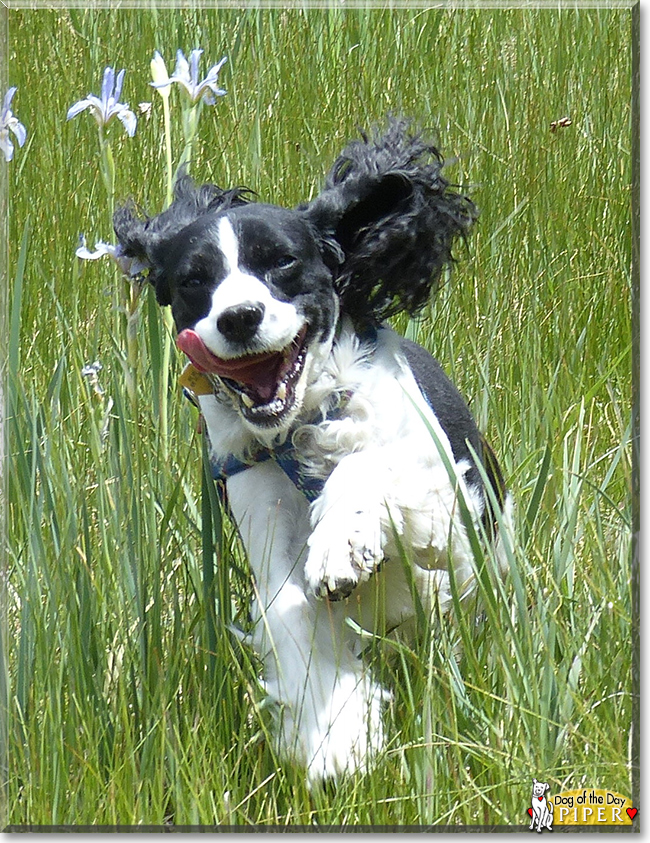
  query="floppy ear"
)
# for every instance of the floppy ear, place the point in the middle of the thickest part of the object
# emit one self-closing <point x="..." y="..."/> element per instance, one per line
<point x="142" y="238"/>
<point x="387" y="220"/>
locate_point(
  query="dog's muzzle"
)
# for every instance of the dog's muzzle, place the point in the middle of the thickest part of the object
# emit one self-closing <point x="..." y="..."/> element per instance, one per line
<point x="264" y="383"/>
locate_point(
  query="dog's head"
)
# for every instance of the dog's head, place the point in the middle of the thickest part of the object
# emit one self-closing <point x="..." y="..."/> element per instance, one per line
<point x="256" y="289"/>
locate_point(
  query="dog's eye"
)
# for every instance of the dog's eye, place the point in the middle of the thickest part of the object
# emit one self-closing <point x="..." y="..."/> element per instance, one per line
<point x="285" y="262"/>
<point x="192" y="282"/>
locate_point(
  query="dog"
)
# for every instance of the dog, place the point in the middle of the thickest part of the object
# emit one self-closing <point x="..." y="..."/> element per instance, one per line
<point x="542" y="811"/>
<point x="350" y="463"/>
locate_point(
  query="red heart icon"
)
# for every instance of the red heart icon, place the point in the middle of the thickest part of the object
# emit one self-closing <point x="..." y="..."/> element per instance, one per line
<point x="632" y="812"/>
<point x="530" y="812"/>
<point x="540" y="798"/>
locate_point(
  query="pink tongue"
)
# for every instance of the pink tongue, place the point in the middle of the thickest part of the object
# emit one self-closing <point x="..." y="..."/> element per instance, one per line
<point x="192" y="344"/>
<point x="259" y="371"/>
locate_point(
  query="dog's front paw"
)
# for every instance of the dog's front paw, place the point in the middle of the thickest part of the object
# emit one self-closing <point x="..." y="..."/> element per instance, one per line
<point x="343" y="552"/>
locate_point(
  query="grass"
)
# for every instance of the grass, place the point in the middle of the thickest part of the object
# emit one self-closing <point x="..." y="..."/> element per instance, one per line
<point x="129" y="700"/>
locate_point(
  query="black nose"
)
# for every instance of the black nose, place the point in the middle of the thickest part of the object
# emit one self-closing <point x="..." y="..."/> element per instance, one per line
<point x="239" y="322"/>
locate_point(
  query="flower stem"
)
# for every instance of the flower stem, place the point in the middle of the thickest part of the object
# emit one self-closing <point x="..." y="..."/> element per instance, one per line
<point x="191" y="116"/>
<point x="168" y="152"/>
<point x="190" y="124"/>
<point x="168" y="321"/>
<point x="129" y="292"/>
<point x="107" y="165"/>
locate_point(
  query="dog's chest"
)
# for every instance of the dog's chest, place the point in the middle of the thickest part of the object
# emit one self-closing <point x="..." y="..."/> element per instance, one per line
<point x="365" y="398"/>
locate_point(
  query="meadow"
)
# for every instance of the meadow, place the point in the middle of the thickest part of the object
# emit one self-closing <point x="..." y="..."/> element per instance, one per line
<point x="129" y="701"/>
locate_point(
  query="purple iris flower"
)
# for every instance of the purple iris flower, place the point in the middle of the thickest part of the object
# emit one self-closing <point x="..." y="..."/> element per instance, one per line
<point x="130" y="267"/>
<point x="104" y="109"/>
<point x="186" y="73"/>
<point x="9" y="122"/>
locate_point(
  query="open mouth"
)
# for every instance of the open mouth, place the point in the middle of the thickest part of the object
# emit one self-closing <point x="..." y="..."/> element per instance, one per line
<point x="265" y="383"/>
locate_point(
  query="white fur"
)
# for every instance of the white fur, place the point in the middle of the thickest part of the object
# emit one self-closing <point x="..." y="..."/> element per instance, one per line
<point x="331" y="716"/>
<point x="386" y="484"/>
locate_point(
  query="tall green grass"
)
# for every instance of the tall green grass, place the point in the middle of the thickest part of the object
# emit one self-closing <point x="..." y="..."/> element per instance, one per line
<point x="129" y="699"/>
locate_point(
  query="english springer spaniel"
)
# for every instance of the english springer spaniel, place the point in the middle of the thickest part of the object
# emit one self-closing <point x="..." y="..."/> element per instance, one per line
<point x="347" y="458"/>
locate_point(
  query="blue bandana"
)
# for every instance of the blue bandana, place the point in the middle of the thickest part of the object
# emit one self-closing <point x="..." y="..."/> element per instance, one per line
<point x="284" y="455"/>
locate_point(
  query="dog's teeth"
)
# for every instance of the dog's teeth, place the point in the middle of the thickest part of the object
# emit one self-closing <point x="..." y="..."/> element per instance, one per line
<point x="282" y="392"/>
<point x="247" y="400"/>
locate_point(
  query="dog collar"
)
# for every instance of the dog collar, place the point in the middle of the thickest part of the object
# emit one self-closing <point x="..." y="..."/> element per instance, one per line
<point x="196" y="383"/>
<point x="284" y="455"/>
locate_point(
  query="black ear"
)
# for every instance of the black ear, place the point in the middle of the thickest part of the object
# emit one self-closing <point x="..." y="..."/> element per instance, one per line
<point x="142" y="237"/>
<point x="390" y="218"/>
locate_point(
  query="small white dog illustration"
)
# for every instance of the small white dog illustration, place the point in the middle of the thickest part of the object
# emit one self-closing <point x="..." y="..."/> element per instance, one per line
<point x="542" y="809"/>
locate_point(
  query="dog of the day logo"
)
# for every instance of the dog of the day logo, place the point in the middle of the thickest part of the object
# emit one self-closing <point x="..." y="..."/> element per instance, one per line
<point x="585" y="806"/>
<point x="540" y="811"/>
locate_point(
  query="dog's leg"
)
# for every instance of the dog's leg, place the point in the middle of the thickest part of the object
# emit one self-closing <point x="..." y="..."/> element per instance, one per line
<point x="536" y="818"/>
<point x="373" y="498"/>
<point x="350" y="522"/>
<point x="331" y="710"/>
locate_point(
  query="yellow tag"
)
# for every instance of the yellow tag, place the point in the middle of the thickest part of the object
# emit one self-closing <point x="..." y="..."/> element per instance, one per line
<point x="197" y="382"/>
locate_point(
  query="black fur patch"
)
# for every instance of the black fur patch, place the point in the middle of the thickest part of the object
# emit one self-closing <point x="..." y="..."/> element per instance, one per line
<point x="141" y="237"/>
<point x="394" y="217"/>
<point x="457" y="422"/>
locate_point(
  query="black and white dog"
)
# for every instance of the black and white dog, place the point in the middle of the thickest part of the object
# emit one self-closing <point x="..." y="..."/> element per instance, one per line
<point x="342" y="446"/>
